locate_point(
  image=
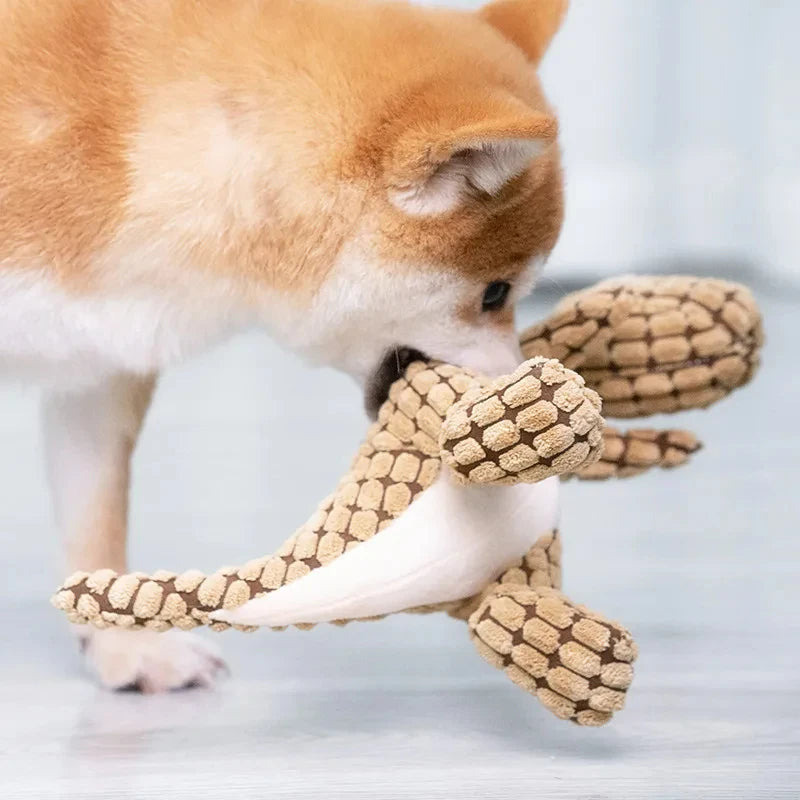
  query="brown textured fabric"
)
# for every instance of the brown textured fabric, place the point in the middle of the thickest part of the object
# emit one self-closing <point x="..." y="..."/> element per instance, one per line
<point x="400" y="458"/>
<point x="645" y="344"/>
<point x="629" y="453"/>
<point x="654" y="344"/>
<point x="576" y="662"/>
<point x="537" y="422"/>
<point x="540" y="566"/>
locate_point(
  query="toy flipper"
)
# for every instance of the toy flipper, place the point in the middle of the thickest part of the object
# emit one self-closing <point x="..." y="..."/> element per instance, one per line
<point x="629" y="453"/>
<point x="652" y="345"/>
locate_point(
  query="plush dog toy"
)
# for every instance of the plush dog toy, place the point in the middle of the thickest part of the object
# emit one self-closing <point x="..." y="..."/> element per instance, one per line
<point x="452" y="500"/>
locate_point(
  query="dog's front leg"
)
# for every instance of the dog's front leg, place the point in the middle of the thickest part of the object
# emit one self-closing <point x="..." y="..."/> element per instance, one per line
<point x="90" y="436"/>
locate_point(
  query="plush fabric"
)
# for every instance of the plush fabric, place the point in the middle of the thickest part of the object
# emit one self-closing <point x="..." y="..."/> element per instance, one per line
<point x="485" y="546"/>
<point x="652" y="345"/>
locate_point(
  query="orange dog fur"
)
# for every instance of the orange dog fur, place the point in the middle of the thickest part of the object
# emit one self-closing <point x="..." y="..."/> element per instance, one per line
<point x="352" y="175"/>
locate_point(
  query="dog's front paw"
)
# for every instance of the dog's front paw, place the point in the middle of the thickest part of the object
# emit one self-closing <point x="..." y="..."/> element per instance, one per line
<point x="150" y="662"/>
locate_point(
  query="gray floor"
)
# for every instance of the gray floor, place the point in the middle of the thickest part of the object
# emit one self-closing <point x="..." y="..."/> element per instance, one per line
<point x="701" y="563"/>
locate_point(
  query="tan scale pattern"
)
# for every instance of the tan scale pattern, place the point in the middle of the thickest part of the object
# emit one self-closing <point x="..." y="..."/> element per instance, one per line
<point x="576" y="662"/>
<point x="654" y="344"/>
<point x="521" y="622"/>
<point x="400" y="458"/>
<point x="539" y="421"/>
<point x="540" y="566"/>
<point x="629" y="453"/>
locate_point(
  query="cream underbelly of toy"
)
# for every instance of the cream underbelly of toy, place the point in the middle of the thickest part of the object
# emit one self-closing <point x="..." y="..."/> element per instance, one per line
<point x="451" y="503"/>
<point x="449" y="545"/>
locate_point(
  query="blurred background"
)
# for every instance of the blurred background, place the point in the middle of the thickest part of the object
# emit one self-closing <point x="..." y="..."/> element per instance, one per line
<point x="681" y="133"/>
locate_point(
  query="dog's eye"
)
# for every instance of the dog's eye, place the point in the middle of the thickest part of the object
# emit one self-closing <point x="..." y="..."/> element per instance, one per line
<point x="495" y="295"/>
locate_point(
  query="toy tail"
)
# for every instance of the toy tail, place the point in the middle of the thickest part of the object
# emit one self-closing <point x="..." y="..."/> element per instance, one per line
<point x="165" y="599"/>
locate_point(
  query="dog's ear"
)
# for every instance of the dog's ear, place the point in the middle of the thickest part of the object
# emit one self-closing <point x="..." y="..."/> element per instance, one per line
<point x="530" y="24"/>
<point x="466" y="148"/>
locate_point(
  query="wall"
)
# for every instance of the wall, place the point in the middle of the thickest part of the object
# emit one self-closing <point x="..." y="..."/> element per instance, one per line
<point x="681" y="132"/>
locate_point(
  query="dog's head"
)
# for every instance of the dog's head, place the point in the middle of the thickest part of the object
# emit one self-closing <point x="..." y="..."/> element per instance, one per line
<point x="465" y="202"/>
<point x="383" y="178"/>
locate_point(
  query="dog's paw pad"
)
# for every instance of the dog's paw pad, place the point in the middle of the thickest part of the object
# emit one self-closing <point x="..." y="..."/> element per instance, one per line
<point x="148" y="662"/>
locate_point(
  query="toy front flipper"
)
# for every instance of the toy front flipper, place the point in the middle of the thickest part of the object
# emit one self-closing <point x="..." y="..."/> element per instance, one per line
<point x="538" y="422"/>
<point x="652" y="345"/>
<point x="576" y="662"/>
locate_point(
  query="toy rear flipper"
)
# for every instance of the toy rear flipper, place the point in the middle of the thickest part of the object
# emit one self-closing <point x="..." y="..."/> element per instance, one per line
<point x="629" y="453"/>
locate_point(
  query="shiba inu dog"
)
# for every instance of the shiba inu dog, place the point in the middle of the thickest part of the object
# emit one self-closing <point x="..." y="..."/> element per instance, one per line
<point x="368" y="180"/>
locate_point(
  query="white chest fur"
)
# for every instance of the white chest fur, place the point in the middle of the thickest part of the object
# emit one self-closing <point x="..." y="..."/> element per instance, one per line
<point x="448" y="545"/>
<point x="51" y="336"/>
